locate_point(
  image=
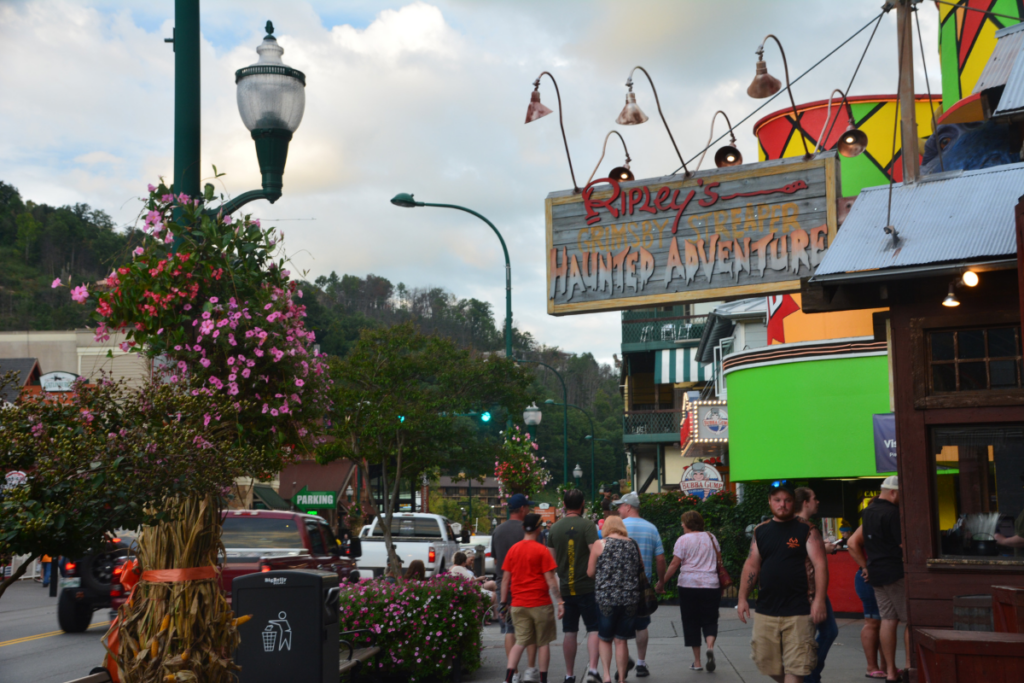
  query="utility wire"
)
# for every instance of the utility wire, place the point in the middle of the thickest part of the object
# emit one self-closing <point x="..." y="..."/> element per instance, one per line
<point x="977" y="9"/>
<point x="795" y="80"/>
<point x="928" y="85"/>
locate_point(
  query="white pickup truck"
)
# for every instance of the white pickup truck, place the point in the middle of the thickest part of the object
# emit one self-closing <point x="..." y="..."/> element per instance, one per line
<point x="417" y="536"/>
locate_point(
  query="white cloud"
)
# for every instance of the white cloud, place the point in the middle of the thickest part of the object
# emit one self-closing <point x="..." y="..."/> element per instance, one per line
<point x="416" y="97"/>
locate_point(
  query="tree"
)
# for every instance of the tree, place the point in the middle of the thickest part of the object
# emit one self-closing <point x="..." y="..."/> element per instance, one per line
<point x="402" y="392"/>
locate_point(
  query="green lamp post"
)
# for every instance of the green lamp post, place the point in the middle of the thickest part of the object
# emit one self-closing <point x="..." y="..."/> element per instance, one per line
<point x="406" y="200"/>
<point x="271" y="100"/>
<point x="593" y="469"/>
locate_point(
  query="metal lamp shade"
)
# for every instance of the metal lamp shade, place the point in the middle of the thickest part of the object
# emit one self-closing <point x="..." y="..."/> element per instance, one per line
<point x="270" y="94"/>
<point x="764" y="84"/>
<point x="631" y="114"/>
<point x="536" y="110"/>
<point x="951" y="301"/>
<point x="853" y="142"/>
<point x="621" y="173"/>
<point x="728" y="156"/>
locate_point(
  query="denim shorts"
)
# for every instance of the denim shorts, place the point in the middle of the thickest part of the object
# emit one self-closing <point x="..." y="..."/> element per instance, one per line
<point x="616" y="622"/>
<point x="867" y="597"/>
<point x="640" y="624"/>
<point x="577" y="606"/>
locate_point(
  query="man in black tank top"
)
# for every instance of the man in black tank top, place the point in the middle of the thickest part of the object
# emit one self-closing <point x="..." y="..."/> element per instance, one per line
<point x="783" y="555"/>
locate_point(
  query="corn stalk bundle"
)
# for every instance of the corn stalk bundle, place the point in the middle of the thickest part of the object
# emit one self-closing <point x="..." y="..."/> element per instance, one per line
<point x="182" y="631"/>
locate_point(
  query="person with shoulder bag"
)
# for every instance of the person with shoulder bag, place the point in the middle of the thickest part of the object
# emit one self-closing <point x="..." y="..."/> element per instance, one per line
<point x="701" y="580"/>
<point x="615" y="565"/>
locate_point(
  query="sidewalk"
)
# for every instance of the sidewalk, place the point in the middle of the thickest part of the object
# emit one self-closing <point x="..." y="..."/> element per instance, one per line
<point x="669" y="659"/>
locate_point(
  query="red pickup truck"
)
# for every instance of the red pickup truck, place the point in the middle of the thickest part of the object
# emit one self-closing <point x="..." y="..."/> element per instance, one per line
<point x="264" y="540"/>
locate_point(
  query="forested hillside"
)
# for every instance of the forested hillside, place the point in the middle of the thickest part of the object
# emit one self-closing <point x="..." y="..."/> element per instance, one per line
<point x="38" y="243"/>
<point x="80" y="244"/>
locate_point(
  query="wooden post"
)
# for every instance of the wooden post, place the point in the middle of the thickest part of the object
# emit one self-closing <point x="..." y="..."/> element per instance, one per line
<point x="1018" y="214"/>
<point x="908" y="108"/>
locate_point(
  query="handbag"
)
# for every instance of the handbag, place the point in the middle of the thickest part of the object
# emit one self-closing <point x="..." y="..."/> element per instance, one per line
<point x="724" y="580"/>
<point x="647" y="604"/>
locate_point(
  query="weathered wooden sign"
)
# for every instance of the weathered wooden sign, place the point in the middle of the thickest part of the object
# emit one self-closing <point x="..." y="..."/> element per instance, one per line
<point x="719" y="234"/>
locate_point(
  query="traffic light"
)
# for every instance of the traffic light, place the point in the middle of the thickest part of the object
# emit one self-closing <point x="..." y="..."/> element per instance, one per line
<point x="485" y="417"/>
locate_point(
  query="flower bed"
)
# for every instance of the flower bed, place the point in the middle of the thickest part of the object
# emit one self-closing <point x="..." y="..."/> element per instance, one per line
<point x="424" y="629"/>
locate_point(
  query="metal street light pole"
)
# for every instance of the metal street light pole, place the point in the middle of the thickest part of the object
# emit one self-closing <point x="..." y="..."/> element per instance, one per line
<point x="565" y="417"/>
<point x="593" y="470"/>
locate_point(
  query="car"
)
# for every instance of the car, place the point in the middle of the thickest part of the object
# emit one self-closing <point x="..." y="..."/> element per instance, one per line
<point x="416" y="536"/>
<point x="86" y="584"/>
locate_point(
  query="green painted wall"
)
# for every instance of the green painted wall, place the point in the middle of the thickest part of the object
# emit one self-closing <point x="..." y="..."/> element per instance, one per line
<point x="806" y="419"/>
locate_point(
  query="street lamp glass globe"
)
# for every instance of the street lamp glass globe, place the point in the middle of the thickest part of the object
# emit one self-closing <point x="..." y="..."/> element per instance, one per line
<point x="532" y="415"/>
<point x="578" y="472"/>
<point x="270" y="94"/>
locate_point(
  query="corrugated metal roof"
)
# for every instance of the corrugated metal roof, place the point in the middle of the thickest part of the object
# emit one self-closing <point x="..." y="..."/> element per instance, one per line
<point x="949" y="217"/>
<point x="1012" y="100"/>
<point x="999" y="66"/>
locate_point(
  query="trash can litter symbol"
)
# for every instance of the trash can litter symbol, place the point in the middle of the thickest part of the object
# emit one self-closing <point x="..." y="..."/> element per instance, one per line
<point x="269" y="638"/>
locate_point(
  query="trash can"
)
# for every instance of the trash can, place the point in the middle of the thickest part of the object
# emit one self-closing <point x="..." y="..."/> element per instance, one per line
<point x="293" y="633"/>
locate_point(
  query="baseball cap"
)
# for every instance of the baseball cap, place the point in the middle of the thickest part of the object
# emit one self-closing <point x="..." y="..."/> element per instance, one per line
<point x="531" y="522"/>
<point x="517" y="501"/>
<point x="892" y="483"/>
<point x="629" y="499"/>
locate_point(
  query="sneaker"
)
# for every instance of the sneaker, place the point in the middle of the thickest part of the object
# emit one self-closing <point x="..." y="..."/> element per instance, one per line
<point x="570" y="679"/>
<point x="531" y="676"/>
<point x="592" y="677"/>
<point x="711" y="661"/>
<point x="515" y="678"/>
<point x="696" y="668"/>
<point x="642" y="671"/>
<point x="629" y="667"/>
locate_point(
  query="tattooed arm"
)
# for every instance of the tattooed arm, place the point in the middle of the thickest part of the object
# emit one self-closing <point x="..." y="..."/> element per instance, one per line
<point x="751" y="570"/>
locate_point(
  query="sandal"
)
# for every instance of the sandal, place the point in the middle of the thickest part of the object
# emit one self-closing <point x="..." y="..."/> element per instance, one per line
<point x="875" y="674"/>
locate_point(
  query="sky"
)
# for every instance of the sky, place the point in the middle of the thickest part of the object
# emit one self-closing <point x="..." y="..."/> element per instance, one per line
<point x="421" y="97"/>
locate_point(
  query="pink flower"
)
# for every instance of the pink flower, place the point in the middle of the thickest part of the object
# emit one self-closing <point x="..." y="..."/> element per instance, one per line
<point x="55" y="284"/>
<point x="79" y="294"/>
<point x="169" y="238"/>
<point x="299" y="382"/>
<point x="138" y="251"/>
<point x="152" y="188"/>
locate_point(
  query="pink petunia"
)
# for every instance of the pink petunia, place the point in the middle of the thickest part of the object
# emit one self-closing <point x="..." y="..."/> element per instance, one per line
<point x="55" y="284"/>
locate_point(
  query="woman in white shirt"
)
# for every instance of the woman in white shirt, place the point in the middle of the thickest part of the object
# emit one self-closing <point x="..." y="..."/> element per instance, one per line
<point x="460" y="568"/>
<point x="700" y="593"/>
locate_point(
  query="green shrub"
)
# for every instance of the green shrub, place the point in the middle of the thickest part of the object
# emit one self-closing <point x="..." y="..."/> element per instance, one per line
<point x="422" y="627"/>
<point x="722" y="517"/>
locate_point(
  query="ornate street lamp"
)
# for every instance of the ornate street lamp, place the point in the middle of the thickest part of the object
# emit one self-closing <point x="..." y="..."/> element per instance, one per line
<point x="532" y="415"/>
<point x="578" y="473"/>
<point x="271" y="100"/>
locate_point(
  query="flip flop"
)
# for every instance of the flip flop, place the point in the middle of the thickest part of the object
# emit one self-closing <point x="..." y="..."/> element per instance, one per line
<point x="875" y="674"/>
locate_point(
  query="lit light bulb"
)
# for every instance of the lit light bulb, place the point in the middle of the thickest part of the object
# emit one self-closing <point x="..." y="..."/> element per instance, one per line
<point x="970" y="278"/>
<point x="850" y="139"/>
<point x="731" y="158"/>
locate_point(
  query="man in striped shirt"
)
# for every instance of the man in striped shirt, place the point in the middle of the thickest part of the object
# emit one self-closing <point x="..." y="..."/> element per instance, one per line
<point x="648" y="538"/>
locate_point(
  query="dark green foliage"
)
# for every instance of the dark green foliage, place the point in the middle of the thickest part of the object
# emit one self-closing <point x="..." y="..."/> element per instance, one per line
<point x="39" y="243"/>
<point x="722" y="517"/>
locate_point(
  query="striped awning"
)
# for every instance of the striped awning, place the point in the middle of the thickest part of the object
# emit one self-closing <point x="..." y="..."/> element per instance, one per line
<point x="679" y="365"/>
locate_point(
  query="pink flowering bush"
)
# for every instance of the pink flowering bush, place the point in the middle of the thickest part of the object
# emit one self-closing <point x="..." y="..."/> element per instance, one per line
<point x="519" y="469"/>
<point x="206" y="297"/>
<point x="422" y="627"/>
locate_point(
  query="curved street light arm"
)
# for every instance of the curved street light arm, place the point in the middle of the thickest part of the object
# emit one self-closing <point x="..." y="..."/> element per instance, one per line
<point x="593" y="470"/>
<point x="604" y="148"/>
<point x="536" y="85"/>
<point x="785" y="65"/>
<point x="732" y="136"/>
<point x="828" y="116"/>
<point x="629" y="84"/>
<point x="565" y="416"/>
<point x="232" y="205"/>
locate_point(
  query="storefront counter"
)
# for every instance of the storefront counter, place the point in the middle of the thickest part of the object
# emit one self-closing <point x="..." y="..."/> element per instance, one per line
<point x="841" y="591"/>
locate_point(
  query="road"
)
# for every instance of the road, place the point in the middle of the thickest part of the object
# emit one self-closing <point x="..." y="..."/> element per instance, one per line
<point x="33" y="649"/>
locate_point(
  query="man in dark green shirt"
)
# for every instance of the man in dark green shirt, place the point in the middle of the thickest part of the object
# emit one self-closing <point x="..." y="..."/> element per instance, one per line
<point x="570" y="541"/>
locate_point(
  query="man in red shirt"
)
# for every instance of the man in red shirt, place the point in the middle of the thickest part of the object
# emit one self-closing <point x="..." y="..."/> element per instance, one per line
<point x="529" y="571"/>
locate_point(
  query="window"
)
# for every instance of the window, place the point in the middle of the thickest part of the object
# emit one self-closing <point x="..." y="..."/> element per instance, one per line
<point x="974" y="359"/>
<point x="410" y="527"/>
<point x="260" y="532"/>
<point x="979" y="484"/>
<point x="332" y="542"/>
<point x="315" y="539"/>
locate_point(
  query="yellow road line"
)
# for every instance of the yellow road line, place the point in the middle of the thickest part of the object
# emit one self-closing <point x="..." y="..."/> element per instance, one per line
<point x="40" y="636"/>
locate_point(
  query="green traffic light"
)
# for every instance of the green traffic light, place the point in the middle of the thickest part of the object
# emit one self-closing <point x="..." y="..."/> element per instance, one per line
<point x="485" y="417"/>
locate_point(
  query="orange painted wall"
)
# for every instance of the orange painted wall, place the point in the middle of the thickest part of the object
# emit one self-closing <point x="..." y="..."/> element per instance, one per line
<point x="802" y="327"/>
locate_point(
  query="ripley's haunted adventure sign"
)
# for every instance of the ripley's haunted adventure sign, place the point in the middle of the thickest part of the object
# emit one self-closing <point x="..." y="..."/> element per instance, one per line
<point x="725" y="233"/>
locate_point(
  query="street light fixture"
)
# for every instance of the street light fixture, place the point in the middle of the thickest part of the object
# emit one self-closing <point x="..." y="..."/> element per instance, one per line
<point x="632" y="116"/>
<point x="532" y="415"/>
<point x="406" y="200"/>
<point x="565" y="417"/>
<point x="578" y="473"/>
<point x="765" y="85"/>
<point x="727" y="155"/>
<point x="536" y="110"/>
<point x="853" y="141"/>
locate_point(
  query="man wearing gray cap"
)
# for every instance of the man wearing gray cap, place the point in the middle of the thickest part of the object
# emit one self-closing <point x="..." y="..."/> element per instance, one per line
<point x="877" y="546"/>
<point x="648" y="538"/>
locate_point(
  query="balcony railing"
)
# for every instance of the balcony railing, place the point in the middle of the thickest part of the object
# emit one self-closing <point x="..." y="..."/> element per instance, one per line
<point x="652" y="313"/>
<point x="663" y="329"/>
<point x="652" y="422"/>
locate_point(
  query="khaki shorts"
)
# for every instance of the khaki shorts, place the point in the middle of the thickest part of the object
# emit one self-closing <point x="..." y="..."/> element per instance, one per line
<point x="892" y="601"/>
<point x="784" y="645"/>
<point x="534" y="625"/>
